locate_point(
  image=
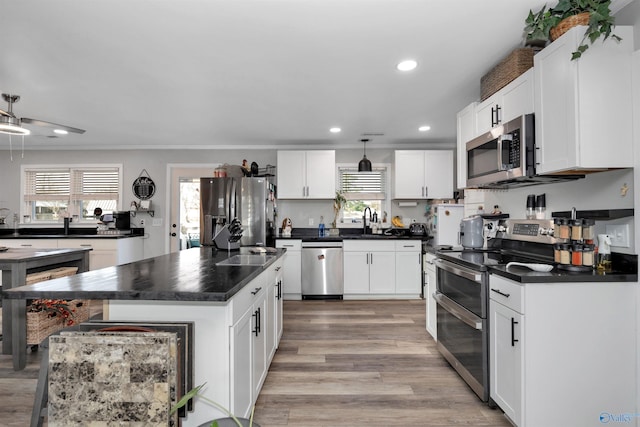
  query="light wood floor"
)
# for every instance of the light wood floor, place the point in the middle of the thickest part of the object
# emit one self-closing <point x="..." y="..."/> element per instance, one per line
<point x="340" y="363"/>
<point x="364" y="363"/>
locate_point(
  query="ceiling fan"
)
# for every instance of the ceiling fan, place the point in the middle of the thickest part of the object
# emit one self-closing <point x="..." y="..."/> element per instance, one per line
<point x="12" y="125"/>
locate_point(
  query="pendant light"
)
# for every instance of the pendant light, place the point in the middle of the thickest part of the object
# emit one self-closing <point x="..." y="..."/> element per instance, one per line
<point x="365" y="164"/>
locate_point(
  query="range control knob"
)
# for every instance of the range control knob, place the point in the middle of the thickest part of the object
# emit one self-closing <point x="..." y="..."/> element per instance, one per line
<point x="546" y="231"/>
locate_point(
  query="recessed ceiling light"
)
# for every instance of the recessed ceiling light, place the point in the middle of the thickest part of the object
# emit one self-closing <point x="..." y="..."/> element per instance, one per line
<point x="335" y="130"/>
<point x="407" y="65"/>
<point x="60" y="131"/>
<point x="424" y="128"/>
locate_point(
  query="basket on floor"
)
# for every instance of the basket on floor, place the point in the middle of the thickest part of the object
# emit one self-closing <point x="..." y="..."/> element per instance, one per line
<point x="516" y="63"/>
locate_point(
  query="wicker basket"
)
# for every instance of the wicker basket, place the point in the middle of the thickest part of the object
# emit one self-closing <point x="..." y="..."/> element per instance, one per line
<point x="62" y="272"/>
<point x="40" y="325"/>
<point x="567" y="23"/>
<point x="38" y="277"/>
<point x="516" y="63"/>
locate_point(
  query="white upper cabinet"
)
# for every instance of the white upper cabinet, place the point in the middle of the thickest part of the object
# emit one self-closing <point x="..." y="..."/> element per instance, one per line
<point x="513" y="100"/>
<point x="466" y="131"/>
<point x="583" y="108"/>
<point x="424" y="174"/>
<point x="306" y="174"/>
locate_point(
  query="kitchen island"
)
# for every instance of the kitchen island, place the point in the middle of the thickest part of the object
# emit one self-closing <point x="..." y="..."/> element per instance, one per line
<point x="236" y="311"/>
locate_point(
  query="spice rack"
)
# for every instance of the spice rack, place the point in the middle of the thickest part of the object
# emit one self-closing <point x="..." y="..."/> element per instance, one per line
<point x="576" y="252"/>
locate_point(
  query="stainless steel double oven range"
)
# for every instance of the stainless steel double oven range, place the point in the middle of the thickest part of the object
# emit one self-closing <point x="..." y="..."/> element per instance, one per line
<point x="463" y="288"/>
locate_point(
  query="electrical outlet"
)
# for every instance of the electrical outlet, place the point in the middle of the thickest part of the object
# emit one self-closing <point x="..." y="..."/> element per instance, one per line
<point x="142" y="223"/>
<point x="619" y="234"/>
<point x="156" y="222"/>
<point x="310" y="221"/>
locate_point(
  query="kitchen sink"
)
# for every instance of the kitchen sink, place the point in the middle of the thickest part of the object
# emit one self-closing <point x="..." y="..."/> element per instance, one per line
<point x="246" y="259"/>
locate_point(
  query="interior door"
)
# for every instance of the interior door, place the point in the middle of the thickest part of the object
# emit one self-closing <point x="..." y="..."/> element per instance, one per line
<point x="178" y="174"/>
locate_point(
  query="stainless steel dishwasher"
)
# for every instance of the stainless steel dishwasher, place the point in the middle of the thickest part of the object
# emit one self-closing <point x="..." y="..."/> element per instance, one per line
<point x="322" y="270"/>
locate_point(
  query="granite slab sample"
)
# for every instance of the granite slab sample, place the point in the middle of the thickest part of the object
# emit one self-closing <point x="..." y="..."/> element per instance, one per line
<point x="112" y="378"/>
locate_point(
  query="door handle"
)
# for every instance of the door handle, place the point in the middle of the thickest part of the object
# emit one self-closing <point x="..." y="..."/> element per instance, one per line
<point x="513" y="332"/>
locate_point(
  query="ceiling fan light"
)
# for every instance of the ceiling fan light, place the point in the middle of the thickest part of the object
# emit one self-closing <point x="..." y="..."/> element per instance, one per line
<point x="11" y="126"/>
<point x="60" y="131"/>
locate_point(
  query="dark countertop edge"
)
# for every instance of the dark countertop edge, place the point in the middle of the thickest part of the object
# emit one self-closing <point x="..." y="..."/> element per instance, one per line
<point x="356" y="237"/>
<point x="133" y="295"/>
<point x="69" y="236"/>
<point x="524" y="275"/>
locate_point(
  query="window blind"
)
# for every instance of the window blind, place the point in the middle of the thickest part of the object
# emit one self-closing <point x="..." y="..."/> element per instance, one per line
<point x="363" y="185"/>
<point x="71" y="184"/>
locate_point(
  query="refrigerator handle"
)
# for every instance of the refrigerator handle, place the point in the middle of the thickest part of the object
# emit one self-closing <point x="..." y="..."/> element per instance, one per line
<point x="231" y="200"/>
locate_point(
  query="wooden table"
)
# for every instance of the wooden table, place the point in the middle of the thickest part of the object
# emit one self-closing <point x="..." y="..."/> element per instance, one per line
<point x="15" y="264"/>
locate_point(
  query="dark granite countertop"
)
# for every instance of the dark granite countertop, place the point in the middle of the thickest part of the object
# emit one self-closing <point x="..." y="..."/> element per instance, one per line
<point x="525" y="275"/>
<point x="311" y="235"/>
<point x="58" y="233"/>
<point x="189" y="275"/>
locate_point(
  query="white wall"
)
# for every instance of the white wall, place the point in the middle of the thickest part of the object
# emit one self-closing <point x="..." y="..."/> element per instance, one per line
<point x="134" y="161"/>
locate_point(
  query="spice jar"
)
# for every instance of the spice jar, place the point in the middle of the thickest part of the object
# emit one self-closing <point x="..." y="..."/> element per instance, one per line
<point x="576" y="254"/>
<point x="588" y="258"/>
<point x="556" y="253"/>
<point x="576" y="229"/>
<point x="561" y="228"/>
<point x="588" y="229"/>
<point x="565" y="257"/>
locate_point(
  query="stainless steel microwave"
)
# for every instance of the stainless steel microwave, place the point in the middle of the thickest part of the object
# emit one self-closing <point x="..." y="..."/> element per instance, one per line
<point x="505" y="157"/>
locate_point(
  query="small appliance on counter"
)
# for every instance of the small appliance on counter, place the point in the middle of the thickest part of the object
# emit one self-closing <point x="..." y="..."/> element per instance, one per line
<point x="445" y="224"/>
<point x="418" y="229"/>
<point x="471" y="234"/>
<point x="122" y="220"/>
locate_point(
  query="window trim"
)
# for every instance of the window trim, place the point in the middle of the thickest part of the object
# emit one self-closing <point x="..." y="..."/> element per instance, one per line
<point x="386" y="202"/>
<point x="70" y="167"/>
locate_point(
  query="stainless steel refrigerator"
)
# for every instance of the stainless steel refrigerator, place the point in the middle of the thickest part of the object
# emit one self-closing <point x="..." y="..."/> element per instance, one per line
<point x="218" y="198"/>
<point x="256" y="207"/>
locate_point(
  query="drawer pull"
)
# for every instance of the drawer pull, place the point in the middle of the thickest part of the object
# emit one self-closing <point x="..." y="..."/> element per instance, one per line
<point x="26" y="245"/>
<point x="501" y="293"/>
<point x="86" y="245"/>
<point x="255" y="291"/>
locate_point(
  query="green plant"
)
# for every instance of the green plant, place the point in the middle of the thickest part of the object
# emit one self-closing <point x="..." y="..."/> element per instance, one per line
<point x="601" y="23"/>
<point x="338" y="202"/>
<point x="195" y="392"/>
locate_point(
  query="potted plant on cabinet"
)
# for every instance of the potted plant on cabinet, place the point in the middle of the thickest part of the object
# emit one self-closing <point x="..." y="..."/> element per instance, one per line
<point x="551" y="23"/>
<point x="230" y="421"/>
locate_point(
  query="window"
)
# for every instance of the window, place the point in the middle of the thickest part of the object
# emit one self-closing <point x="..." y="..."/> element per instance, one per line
<point x="51" y="193"/>
<point x="363" y="189"/>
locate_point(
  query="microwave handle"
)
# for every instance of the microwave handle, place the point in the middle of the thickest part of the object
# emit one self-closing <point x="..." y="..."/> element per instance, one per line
<point x="502" y="165"/>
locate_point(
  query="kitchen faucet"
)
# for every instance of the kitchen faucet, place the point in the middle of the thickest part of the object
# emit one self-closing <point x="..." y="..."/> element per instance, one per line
<point x="364" y="219"/>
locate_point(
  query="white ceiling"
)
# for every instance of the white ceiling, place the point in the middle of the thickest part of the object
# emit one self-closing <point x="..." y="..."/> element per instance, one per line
<point x="250" y="73"/>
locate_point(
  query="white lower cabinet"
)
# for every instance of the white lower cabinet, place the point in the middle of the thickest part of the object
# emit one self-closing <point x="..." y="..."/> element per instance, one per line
<point x="408" y="267"/>
<point x="563" y="354"/>
<point x="274" y="307"/>
<point x="430" y="288"/>
<point x="506" y="359"/>
<point x="107" y="252"/>
<point x="369" y="267"/>
<point x="292" y="280"/>
<point x="104" y="252"/>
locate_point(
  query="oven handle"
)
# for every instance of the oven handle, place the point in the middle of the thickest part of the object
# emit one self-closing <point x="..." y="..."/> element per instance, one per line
<point x="459" y="312"/>
<point x="460" y="271"/>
